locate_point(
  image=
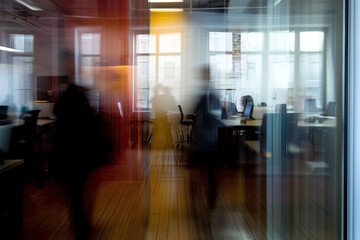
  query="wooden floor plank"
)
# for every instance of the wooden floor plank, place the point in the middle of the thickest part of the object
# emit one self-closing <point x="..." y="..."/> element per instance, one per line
<point x="175" y="204"/>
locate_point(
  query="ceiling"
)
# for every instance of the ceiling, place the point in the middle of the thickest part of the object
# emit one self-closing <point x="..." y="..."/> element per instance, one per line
<point x="45" y="20"/>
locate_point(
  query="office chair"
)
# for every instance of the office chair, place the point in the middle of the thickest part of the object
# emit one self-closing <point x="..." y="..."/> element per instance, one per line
<point x="331" y="109"/>
<point x="310" y="106"/>
<point x="272" y="137"/>
<point x="292" y="135"/>
<point x="280" y="108"/>
<point x="186" y="124"/>
<point x="28" y="138"/>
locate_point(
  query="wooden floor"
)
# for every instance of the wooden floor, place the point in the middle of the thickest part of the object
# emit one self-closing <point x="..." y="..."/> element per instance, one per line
<point x="147" y="194"/>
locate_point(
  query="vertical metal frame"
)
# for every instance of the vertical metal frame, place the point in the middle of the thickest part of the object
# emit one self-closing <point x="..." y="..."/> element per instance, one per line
<point x="352" y="122"/>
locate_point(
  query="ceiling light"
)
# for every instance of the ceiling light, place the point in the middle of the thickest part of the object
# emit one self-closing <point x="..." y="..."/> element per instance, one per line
<point x="166" y="9"/>
<point x="29" y="4"/>
<point x="9" y="49"/>
<point x="164" y="1"/>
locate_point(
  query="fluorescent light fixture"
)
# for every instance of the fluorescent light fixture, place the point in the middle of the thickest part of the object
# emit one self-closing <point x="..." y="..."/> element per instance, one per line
<point x="10" y="49"/>
<point x="29" y="4"/>
<point x="277" y="2"/>
<point x="166" y="9"/>
<point x="164" y="1"/>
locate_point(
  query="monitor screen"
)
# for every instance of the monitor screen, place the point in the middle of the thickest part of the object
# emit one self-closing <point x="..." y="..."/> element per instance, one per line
<point x="247" y="111"/>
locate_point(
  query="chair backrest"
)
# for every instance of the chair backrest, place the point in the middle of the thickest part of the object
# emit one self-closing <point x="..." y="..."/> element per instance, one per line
<point x="223" y="113"/>
<point x="310" y="106"/>
<point x="280" y="108"/>
<point x="29" y="128"/>
<point x="331" y="109"/>
<point x="181" y="113"/>
<point x="272" y="135"/>
<point x="5" y="136"/>
<point x="233" y="108"/>
<point x="3" y="112"/>
<point x="291" y="127"/>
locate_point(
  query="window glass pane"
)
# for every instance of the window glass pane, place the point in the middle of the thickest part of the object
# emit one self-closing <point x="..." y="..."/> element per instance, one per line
<point x="252" y="41"/>
<point x="169" y="71"/>
<point x="23" y="42"/>
<point x="89" y="70"/>
<point x="145" y="71"/>
<point x="145" y="80"/>
<point x="220" y="41"/>
<point x="251" y="69"/>
<point x="170" y="43"/>
<point x="282" y="41"/>
<point x="142" y="101"/>
<point x="311" y="41"/>
<point x="145" y="43"/>
<point x="90" y="43"/>
<point x="281" y="70"/>
<point x="22" y="71"/>
<point x="311" y="69"/>
<point x="221" y="67"/>
<point x="311" y="72"/>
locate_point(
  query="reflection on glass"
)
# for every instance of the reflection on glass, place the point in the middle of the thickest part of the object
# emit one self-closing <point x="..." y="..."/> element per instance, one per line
<point x="276" y="177"/>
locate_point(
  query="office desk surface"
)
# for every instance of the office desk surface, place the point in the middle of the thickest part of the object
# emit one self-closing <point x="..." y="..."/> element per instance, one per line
<point x="325" y="124"/>
<point x="40" y="122"/>
<point x="9" y="164"/>
<point x="257" y="123"/>
<point x="237" y="123"/>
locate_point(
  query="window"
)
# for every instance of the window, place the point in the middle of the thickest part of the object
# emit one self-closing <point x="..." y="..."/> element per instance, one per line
<point x="252" y="44"/>
<point x="90" y="50"/>
<point x="221" y="59"/>
<point x="311" y="64"/>
<point x="281" y="66"/>
<point x="158" y="61"/>
<point x="22" y="70"/>
<point x="265" y="69"/>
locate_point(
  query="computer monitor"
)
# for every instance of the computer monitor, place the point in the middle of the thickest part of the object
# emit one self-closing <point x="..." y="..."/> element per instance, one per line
<point x="247" y="111"/>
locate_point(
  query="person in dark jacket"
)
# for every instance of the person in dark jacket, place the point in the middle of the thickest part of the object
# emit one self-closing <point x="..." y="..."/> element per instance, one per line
<point x="77" y="140"/>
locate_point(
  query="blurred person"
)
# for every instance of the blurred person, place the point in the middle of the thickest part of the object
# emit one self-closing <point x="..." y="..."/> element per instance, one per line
<point x="205" y="156"/>
<point x="79" y="144"/>
<point x="162" y="104"/>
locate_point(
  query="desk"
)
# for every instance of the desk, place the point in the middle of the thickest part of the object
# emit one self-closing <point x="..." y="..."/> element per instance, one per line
<point x="43" y="125"/>
<point x="326" y="131"/>
<point x="227" y="139"/>
<point x="236" y="123"/>
<point x="327" y="123"/>
<point x="11" y="185"/>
